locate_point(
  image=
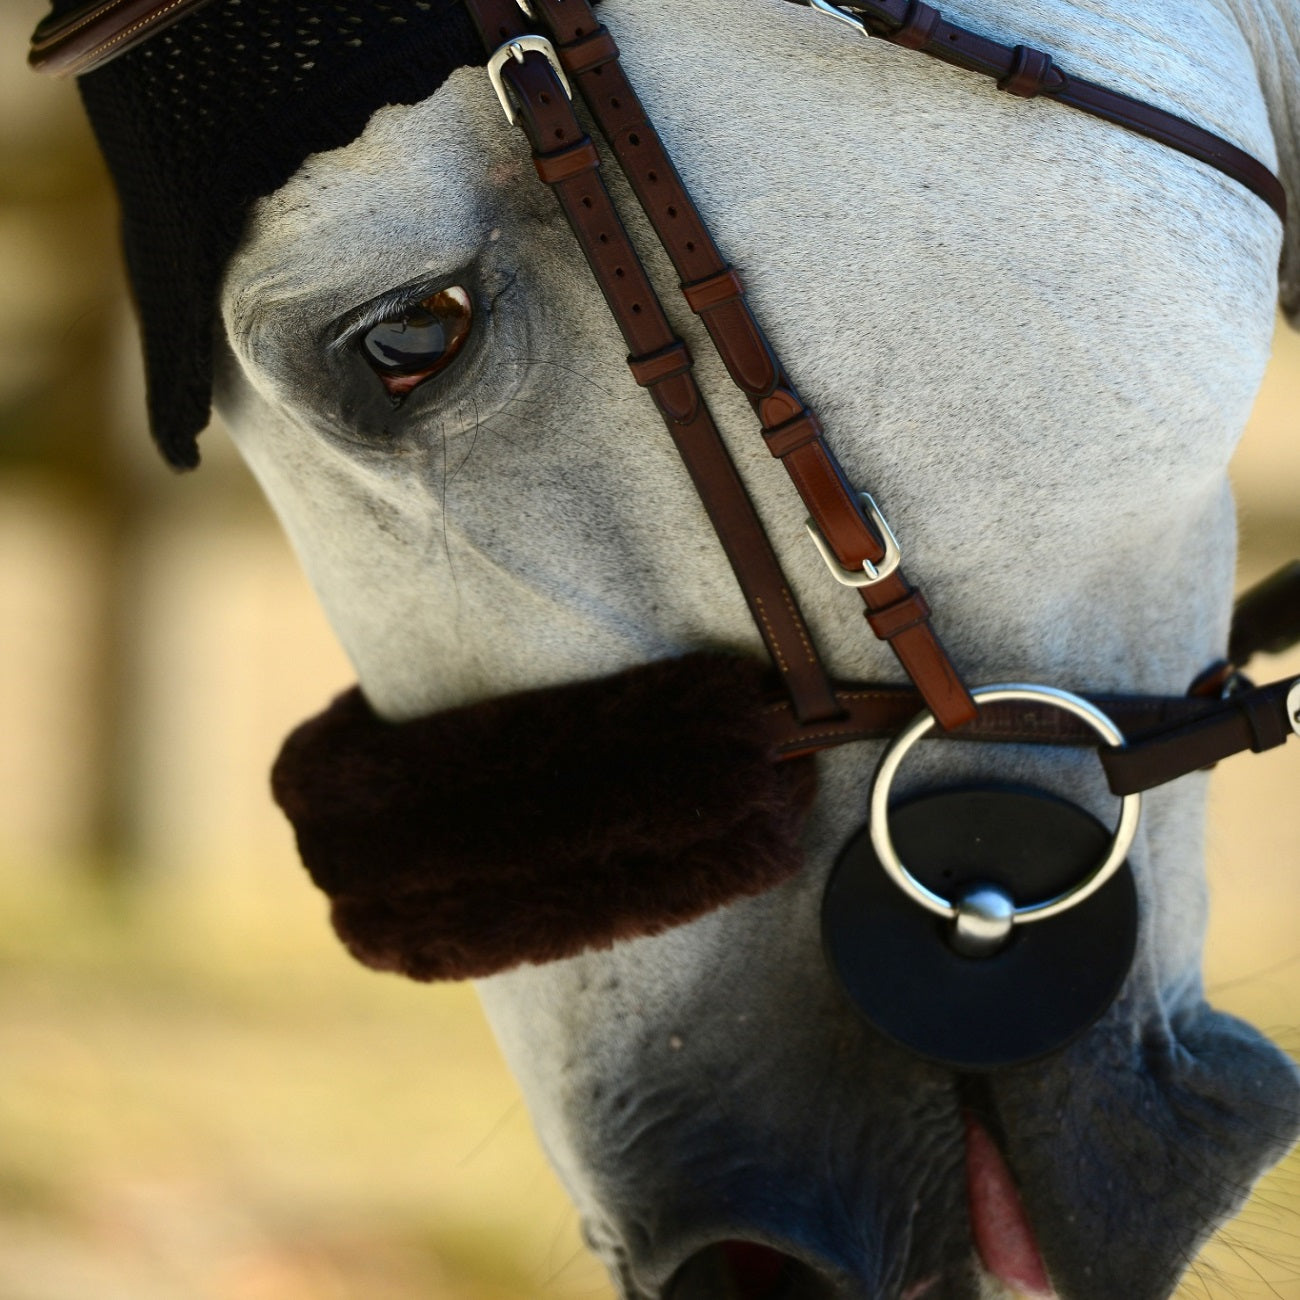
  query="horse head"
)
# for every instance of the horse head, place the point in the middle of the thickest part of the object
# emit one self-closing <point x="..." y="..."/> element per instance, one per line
<point x="1036" y="337"/>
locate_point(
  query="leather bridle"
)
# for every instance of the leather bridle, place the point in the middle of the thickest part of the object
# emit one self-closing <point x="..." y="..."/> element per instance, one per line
<point x="541" y="53"/>
<point x="532" y="75"/>
<point x="1167" y="736"/>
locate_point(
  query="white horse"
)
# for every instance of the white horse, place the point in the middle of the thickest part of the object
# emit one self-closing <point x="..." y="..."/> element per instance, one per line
<point x="1035" y="338"/>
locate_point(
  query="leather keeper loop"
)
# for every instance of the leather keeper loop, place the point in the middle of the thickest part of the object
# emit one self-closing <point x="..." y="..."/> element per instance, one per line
<point x="589" y="52"/>
<point x="726" y="286"/>
<point x="918" y="26"/>
<point x="1267" y="723"/>
<point x="653" y="367"/>
<point x="793" y="434"/>
<point x="564" y="164"/>
<point x="1029" y="73"/>
<point x="888" y="622"/>
<point x="1209" y="684"/>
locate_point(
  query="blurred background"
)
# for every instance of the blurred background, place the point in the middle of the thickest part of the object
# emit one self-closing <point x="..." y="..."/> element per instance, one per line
<point x="201" y="1097"/>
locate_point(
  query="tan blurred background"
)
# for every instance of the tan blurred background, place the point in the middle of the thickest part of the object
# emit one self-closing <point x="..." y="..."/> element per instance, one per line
<point x="201" y="1098"/>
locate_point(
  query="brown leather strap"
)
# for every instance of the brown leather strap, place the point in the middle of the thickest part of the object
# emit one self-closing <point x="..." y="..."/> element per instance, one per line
<point x="879" y="712"/>
<point x="1168" y="736"/>
<point x="714" y="290"/>
<point x="1022" y="70"/>
<point x="567" y="161"/>
<point x="100" y="30"/>
<point x="97" y="32"/>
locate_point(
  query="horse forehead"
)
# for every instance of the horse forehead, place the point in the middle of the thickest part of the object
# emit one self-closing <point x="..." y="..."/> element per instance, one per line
<point x="833" y="163"/>
<point x="407" y="198"/>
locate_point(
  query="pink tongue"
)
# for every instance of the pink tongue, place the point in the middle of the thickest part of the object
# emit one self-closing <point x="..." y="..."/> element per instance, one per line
<point x="999" y="1224"/>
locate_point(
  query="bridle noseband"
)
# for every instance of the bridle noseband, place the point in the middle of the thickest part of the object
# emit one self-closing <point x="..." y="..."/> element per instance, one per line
<point x="994" y="927"/>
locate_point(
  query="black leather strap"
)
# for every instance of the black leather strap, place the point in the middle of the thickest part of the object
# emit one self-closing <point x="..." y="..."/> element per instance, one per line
<point x="1254" y="720"/>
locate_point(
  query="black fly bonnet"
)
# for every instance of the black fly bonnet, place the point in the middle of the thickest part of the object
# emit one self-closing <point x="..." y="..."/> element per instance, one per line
<point x="213" y="112"/>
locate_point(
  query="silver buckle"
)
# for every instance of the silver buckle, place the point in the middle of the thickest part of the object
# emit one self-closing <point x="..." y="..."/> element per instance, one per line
<point x="1293" y="707"/>
<point x="833" y="11"/>
<point x="516" y="49"/>
<point x="869" y="573"/>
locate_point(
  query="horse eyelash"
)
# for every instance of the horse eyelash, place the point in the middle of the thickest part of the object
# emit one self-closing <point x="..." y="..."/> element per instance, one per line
<point x="396" y="302"/>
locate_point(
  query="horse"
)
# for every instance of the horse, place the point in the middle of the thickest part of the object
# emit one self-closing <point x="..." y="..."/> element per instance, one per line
<point x="1036" y="337"/>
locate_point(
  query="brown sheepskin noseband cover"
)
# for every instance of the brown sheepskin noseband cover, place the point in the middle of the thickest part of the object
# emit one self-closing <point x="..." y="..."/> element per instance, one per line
<point x="533" y="826"/>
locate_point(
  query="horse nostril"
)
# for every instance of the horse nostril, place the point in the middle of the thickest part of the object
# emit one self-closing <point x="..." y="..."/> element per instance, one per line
<point x="758" y="1270"/>
<point x="745" y="1270"/>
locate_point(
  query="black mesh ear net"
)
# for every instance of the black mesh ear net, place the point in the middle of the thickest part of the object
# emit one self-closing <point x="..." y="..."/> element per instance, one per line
<point x="220" y="109"/>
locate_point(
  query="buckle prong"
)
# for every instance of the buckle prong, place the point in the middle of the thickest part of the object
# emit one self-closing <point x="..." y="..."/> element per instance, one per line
<point x="869" y="573"/>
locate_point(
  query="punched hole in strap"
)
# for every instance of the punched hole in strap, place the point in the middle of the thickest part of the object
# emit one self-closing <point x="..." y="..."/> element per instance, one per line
<point x="1032" y="73"/>
<point x="564" y="164"/>
<point x="1267" y="729"/>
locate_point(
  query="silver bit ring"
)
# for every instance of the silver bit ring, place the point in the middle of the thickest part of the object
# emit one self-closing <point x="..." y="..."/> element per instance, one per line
<point x="1121" y="838"/>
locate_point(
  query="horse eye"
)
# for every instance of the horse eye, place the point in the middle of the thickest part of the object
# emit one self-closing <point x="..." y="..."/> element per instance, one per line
<point x="420" y="343"/>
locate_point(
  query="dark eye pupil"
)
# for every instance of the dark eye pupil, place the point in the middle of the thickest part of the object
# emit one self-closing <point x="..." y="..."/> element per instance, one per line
<point x="420" y="341"/>
<point x="412" y="343"/>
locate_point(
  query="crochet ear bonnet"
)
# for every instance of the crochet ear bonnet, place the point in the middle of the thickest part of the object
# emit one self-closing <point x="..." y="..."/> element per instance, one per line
<point x="218" y="109"/>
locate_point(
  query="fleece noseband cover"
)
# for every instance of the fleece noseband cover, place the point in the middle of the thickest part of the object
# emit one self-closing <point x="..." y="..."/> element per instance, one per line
<point x="534" y="826"/>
